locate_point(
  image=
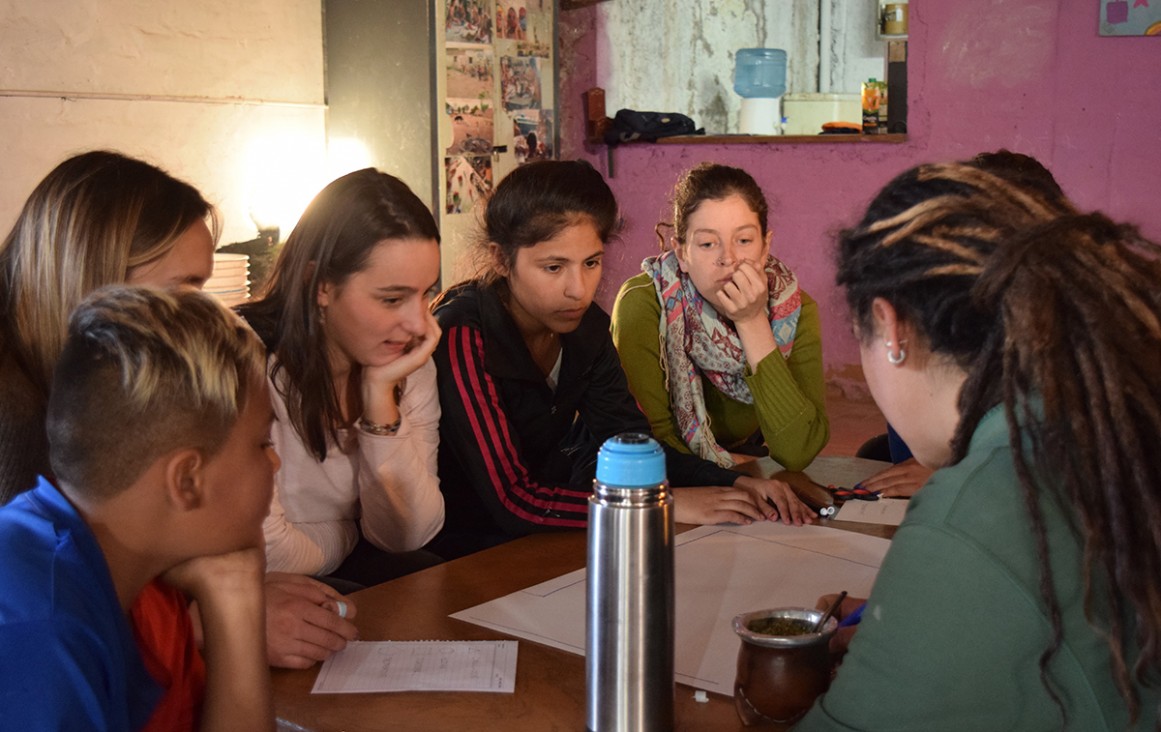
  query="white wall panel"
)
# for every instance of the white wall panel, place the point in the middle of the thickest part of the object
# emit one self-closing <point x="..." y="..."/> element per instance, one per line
<point x="228" y="96"/>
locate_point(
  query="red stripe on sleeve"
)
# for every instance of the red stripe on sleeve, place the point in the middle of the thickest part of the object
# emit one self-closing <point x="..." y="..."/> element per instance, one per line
<point x="465" y="348"/>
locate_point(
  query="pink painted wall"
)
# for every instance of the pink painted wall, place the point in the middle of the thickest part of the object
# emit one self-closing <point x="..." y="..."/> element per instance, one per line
<point x="1029" y="75"/>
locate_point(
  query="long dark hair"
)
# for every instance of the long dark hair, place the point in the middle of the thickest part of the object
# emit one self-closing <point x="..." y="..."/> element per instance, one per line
<point x="332" y="241"/>
<point x="537" y="201"/>
<point x="1054" y="314"/>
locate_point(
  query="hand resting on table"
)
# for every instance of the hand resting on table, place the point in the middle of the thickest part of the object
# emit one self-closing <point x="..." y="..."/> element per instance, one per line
<point x="302" y="620"/>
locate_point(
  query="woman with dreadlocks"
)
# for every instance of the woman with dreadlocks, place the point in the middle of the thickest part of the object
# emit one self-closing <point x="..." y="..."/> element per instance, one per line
<point x="1013" y="342"/>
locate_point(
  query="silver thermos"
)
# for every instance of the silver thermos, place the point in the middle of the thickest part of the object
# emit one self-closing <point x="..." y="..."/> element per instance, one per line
<point x="629" y="605"/>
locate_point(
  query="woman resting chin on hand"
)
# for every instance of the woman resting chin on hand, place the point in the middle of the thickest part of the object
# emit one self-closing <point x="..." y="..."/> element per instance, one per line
<point x="530" y="383"/>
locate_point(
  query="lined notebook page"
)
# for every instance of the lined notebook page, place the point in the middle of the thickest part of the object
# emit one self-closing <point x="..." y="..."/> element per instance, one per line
<point x="376" y="666"/>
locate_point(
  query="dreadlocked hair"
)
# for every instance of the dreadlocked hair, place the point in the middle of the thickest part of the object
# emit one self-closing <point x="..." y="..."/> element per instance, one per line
<point x="1055" y="314"/>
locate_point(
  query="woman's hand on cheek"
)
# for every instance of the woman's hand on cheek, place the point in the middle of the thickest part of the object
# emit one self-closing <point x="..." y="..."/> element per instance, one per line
<point x="745" y="296"/>
<point x="422" y="346"/>
<point x="380" y="392"/>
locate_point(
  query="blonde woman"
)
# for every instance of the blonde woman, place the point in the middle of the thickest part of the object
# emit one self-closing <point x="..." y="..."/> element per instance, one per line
<point x="98" y="218"/>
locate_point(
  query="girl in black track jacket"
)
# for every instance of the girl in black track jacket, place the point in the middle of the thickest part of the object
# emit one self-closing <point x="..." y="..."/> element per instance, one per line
<point x="530" y="383"/>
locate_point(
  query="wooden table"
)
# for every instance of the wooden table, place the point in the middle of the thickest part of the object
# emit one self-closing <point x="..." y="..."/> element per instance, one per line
<point x="550" y="683"/>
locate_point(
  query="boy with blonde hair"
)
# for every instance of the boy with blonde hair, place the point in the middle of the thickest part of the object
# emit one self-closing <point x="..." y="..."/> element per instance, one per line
<point x="158" y="426"/>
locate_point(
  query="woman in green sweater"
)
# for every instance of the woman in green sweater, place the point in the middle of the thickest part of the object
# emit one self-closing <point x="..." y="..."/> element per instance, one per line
<point x="722" y="348"/>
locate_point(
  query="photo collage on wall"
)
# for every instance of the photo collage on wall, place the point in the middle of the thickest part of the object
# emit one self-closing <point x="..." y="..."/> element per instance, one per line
<point x="521" y="39"/>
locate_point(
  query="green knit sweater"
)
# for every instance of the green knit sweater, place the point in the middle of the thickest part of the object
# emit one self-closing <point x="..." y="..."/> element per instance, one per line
<point x="789" y="394"/>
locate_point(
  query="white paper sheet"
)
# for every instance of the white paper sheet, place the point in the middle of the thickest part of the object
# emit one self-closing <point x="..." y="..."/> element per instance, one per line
<point x="888" y="511"/>
<point x="373" y="666"/>
<point x="721" y="571"/>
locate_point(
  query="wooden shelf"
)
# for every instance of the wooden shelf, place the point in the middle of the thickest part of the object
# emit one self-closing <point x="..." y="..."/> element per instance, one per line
<point x="766" y="140"/>
<point x="596" y="123"/>
<point x="776" y="139"/>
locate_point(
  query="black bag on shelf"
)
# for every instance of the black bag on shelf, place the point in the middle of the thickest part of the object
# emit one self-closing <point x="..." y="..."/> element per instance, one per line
<point x="630" y="126"/>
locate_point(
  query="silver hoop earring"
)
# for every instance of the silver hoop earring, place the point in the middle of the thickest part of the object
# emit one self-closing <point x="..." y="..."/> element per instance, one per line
<point x="895" y="358"/>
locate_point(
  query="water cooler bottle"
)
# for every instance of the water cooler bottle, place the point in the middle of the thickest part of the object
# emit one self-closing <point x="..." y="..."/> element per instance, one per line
<point x="760" y="79"/>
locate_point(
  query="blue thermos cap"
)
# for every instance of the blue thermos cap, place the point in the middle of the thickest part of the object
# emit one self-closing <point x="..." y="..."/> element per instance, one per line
<point x="631" y="460"/>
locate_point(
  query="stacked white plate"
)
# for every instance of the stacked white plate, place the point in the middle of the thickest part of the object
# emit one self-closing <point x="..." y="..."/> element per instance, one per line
<point x="230" y="282"/>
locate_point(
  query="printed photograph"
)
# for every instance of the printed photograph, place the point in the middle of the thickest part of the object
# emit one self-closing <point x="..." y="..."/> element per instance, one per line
<point x="532" y="135"/>
<point x="534" y="48"/>
<point x="469" y="73"/>
<point x="539" y="26"/>
<point x="520" y="82"/>
<point x="469" y="180"/>
<point x="1118" y="18"/>
<point x="512" y="19"/>
<point x="468" y="21"/>
<point x="473" y="126"/>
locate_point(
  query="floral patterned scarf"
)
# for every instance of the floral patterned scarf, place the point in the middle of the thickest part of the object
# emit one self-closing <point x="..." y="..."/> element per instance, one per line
<point x="697" y="341"/>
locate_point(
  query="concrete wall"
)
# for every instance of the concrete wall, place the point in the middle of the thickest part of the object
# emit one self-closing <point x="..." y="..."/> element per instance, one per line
<point x="228" y="96"/>
<point x="1029" y="75"/>
<point x="679" y="56"/>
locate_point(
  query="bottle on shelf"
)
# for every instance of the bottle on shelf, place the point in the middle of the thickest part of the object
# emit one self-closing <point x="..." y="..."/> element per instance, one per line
<point x="760" y="79"/>
<point x="874" y="106"/>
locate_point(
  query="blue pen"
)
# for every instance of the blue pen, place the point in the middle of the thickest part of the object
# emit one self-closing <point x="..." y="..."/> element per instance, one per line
<point x="853" y="618"/>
